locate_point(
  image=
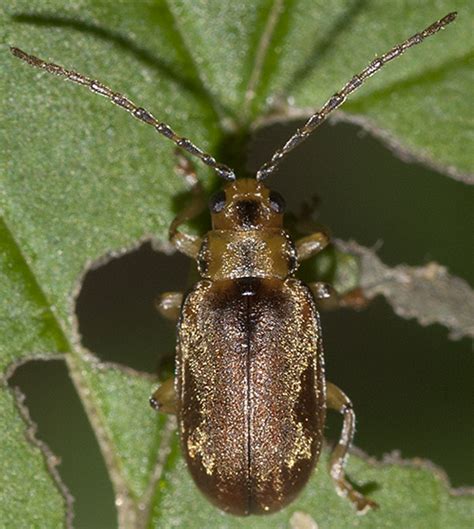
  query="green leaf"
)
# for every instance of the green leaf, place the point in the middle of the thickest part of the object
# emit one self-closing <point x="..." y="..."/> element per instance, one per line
<point x="81" y="180"/>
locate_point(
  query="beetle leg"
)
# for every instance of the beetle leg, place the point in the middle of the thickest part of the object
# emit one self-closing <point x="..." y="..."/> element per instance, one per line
<point x="169" y="305"/>
<point x="312" y="244"/>
<point x="164" y="398"/>
<point x="325" y="295"/>
<point x="354" y="299"/>
<point x="183" y="242"/>
<point x="322" y="290"/>
<point x="337" y="400"/>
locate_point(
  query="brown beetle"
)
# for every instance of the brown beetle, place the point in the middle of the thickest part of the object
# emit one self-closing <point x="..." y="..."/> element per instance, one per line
<point x="250" y="391"/>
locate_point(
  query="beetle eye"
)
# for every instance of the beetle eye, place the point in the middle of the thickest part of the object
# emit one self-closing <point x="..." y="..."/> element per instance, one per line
<point x="217" y="202"/>
<point x="277" y="202"/>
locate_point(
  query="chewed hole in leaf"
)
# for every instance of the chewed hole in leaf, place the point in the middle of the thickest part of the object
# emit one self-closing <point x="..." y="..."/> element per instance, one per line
<point x="116" y="312"/>
<point x="401" y="381"/>
<point x="55" y="409"/>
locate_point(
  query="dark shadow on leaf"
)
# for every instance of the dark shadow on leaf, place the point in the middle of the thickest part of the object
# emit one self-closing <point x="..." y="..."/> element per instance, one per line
<point x="321" y="47"/>
<point x="201" y="223"/>
<point x="233" y="149"/>
<point x="123" y="43"/>
<point x="367" y="488"/>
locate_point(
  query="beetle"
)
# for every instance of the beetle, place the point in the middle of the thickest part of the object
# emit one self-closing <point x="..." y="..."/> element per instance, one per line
<point x="250" y="391"/>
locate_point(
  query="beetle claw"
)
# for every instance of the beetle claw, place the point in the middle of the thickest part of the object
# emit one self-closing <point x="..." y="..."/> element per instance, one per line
<point x="154" y="403"/>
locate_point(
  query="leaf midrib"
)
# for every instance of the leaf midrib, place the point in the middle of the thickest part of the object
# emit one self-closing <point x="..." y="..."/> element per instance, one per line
<point x="214" y="103"/>
<point x="32" y="277"/>
<point x="260" y="57"/>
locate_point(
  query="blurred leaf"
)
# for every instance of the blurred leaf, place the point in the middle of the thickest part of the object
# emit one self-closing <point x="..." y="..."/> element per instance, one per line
<point x="428" y="293"/>
<point x="80" y="180"/>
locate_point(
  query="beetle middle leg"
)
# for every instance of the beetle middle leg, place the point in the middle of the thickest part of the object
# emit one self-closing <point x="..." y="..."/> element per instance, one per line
<point x="164" y="398"/>
<point x="325" y="295"/>
<point x="337" y="400"/>
<point x="168" y="305"/>
<point x="185" y="243"/>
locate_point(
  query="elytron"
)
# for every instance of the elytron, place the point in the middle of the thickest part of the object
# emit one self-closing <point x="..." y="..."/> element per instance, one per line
<point x="250" y="392"/>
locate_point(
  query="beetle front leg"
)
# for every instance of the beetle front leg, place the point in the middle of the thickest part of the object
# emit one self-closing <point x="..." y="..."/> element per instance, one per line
<point x="312" y="244"/>
<point x="169" y="305"/>
<point x="337" y="400"/>
<point x="183" y="242"/>
<point x="164" y="398"/>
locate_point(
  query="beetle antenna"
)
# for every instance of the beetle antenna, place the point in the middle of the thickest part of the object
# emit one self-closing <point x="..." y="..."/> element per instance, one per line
<point x="138" y="112"/>
<point x="339" y="97"/>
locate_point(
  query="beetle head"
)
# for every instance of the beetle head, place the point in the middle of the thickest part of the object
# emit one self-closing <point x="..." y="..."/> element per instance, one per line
<point x="246" y="204"/>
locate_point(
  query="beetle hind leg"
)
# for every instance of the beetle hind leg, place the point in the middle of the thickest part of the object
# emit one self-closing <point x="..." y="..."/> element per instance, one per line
<point x="337" y="400"/>
<point x="164" y="398"/>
